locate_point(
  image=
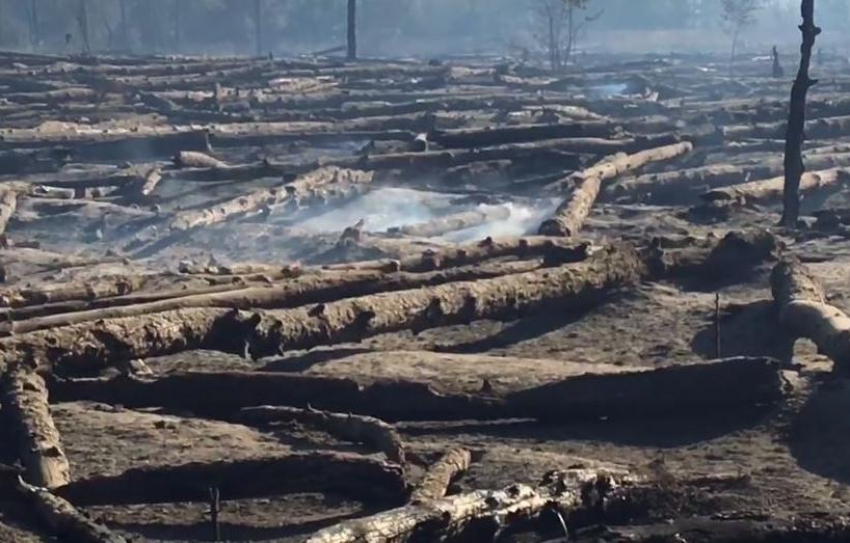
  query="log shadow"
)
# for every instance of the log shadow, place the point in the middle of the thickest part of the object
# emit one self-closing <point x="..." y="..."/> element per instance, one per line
<point x="658" y="432"/>
<point x="745" y="330"/>
<point x="202" y="530"/>
<point x="303" y="362"/>
<point x="525" y="329"/>
<point x="819" y="436"/>
<point x="714" y="280"/>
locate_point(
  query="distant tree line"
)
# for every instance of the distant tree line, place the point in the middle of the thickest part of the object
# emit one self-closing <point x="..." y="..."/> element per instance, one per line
<point x="292" y="26"/>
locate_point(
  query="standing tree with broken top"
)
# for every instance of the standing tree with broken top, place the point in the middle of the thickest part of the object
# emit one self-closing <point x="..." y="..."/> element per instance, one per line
<point x="794" y="166"/>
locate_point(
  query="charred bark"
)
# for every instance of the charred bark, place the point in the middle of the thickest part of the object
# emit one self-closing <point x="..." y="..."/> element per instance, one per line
<point x="571" y="214"/>
<point x="39" y="444"/>
<point x="64" y="519"/>
<point x="794" y="166"/>
<point x="356" y="428"/>
<point x="478" y="515"/>
<point x="804" y="311"/>
<point x="435" y="484"/>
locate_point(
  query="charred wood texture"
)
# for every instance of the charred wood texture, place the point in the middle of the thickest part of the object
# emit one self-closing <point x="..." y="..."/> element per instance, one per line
<point x="100" y="343"/>
<point x="357" y="428"/>
<point x="571" y="214"/>
<point x="64" y="520"/>
<point x="794" y="166"/>
<point x="435" y="484"/>
<point x="804" y="311"/>
<point x="477" y="515"/>
<point x="39" y="445"/>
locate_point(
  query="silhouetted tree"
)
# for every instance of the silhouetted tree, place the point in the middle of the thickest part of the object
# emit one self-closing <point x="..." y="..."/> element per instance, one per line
<point x="794" y="167"/>
<point x="737" y="15"/>
<point x="352" y="29"/>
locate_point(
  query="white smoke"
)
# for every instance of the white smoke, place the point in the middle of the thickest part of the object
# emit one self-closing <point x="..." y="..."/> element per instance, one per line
<point x="387" y="208"/>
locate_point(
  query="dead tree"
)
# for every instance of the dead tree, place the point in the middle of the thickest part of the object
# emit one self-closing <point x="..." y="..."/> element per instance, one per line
<point x="778" y="72"/>
<point x="794" y="166"/>
<point x="352" y="29"/>
<point x="34" y="26"/>
<point x="561" y="28"/>
<point x="83" y="22"/>
<point x="258" y="26"/>
<point x="125" y="29"/>
<point x="737" y="15"/>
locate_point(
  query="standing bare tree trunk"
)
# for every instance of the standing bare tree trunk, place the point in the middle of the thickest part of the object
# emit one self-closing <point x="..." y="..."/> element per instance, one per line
<point x="258" y="26"/>
<point x="83" y="22"/>
<point x="794" y="166"/>
<point x="125" y="31"/>
<point x="735" y="37"/>
<point x="178" y="24"/>
<point x="35" y="33"/>
<point x="352" y="29"/>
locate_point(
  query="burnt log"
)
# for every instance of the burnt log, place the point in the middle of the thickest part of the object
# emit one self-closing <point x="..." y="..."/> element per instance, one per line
<point x="804" y="311"/>
<point x="254" y="201"/>
<point x="571" y="214"/>
<point x="39" y="444"/>
<point x="451" y="223"/>
<point x="100" y="343"/>
<point x="771" y="190"/>
<point x="468" y="138"/>
<point x="309" y="288"/>
<point x="64" y="520"/>
<point x="350" y="427"/>
<point x="435" y="484"/>
<point x="477" y="515"/>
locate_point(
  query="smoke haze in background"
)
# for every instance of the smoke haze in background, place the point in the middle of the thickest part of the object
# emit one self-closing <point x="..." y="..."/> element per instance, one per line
<point x="393" y="28"/>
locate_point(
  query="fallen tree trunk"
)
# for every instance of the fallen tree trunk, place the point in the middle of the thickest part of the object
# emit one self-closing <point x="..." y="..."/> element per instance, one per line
<point x="39" y="444"/>
<point x="66" y="522"/>
<point x="571" y="214"/>
<point x="804" y="311"/>
<point x="684" y="186"/>
<point x="254" y="201"/>
<point x="337" y="473"/>
<point x="104" y="287"/>
<point x="452" y="223"/>
<point x="816" y="129"/>
<point x="100" y="343"/>
<point x="483" y="512"/>
<point x="235" y="391"/>
<point x="467" y="138"/>
<point x="771" y="190"/>
<point x="194" y="159"/>
<point x="695" y="390"/>
<point x="8" y="205"/>
<point x="117" y="147"/>
<point x="560" y="151"/>
<point x="152" y="179"/>
<point x="356" y="428"/>
<point x="309" y="288"/>
<point x="435" y="484"/>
